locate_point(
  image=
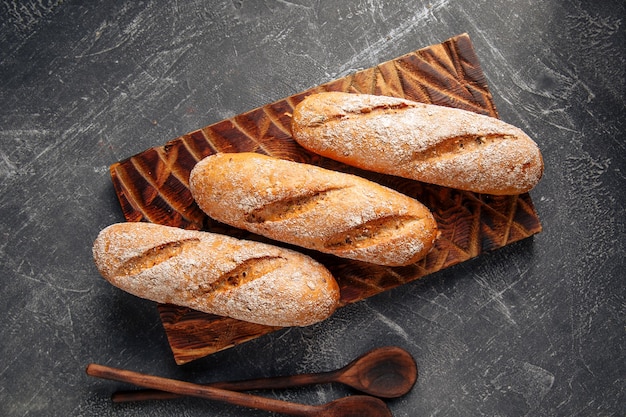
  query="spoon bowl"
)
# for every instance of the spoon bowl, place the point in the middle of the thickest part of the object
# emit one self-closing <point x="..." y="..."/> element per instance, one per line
<point x="387" y="372"/>
<point x="355" y="406"/>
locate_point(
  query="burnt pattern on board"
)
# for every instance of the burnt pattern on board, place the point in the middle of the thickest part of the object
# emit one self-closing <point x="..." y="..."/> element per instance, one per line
<point x="153" y="186"/>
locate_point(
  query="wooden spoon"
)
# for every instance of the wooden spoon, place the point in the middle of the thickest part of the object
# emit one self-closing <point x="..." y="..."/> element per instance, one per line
<point x="386" y="372"/>
<point x="353" y="406"/>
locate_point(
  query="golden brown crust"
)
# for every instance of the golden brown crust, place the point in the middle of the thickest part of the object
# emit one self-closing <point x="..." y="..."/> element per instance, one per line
<point x="312" y="207"/>
<point x="440" y="145"/>
<point x="216" y="274"/>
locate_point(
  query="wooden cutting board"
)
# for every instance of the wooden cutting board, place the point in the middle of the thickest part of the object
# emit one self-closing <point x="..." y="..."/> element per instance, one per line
<point x="153" y="186"/>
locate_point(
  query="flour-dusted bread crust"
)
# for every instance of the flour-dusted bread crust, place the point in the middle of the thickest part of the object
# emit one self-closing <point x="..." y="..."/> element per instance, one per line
<point x="434" y="144"/>
<point x="312" y="207"/>
<point x="216" y="274"/>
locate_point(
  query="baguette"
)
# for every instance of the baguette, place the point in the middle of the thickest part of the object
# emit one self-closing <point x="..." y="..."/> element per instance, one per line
<point x="433" y="144"/>
<point x="217" y="274"/>
<point x="312" y="207"/>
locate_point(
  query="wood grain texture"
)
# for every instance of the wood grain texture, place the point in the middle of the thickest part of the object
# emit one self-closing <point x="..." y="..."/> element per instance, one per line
<point x="153" y="186"/>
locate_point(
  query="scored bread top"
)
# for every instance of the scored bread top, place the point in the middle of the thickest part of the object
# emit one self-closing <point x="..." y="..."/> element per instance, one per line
<point x="217" y="274"/>
<point x="434" y="144"/>
<point x="313" y="207"/>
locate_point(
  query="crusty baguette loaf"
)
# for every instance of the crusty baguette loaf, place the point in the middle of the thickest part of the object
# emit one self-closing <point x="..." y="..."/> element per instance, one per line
<point x="217" y="274"/>
<point x="313" y="207"/>
<point x="434" y="144"/>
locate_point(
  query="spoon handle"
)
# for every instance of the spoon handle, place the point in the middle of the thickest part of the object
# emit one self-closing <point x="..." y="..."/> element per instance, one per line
<point x="277" y="382"/>
<point x="202" y="391"/>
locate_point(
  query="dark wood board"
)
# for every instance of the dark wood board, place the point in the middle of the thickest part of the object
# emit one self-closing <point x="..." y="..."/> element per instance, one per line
<point x="153" y="186"/>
